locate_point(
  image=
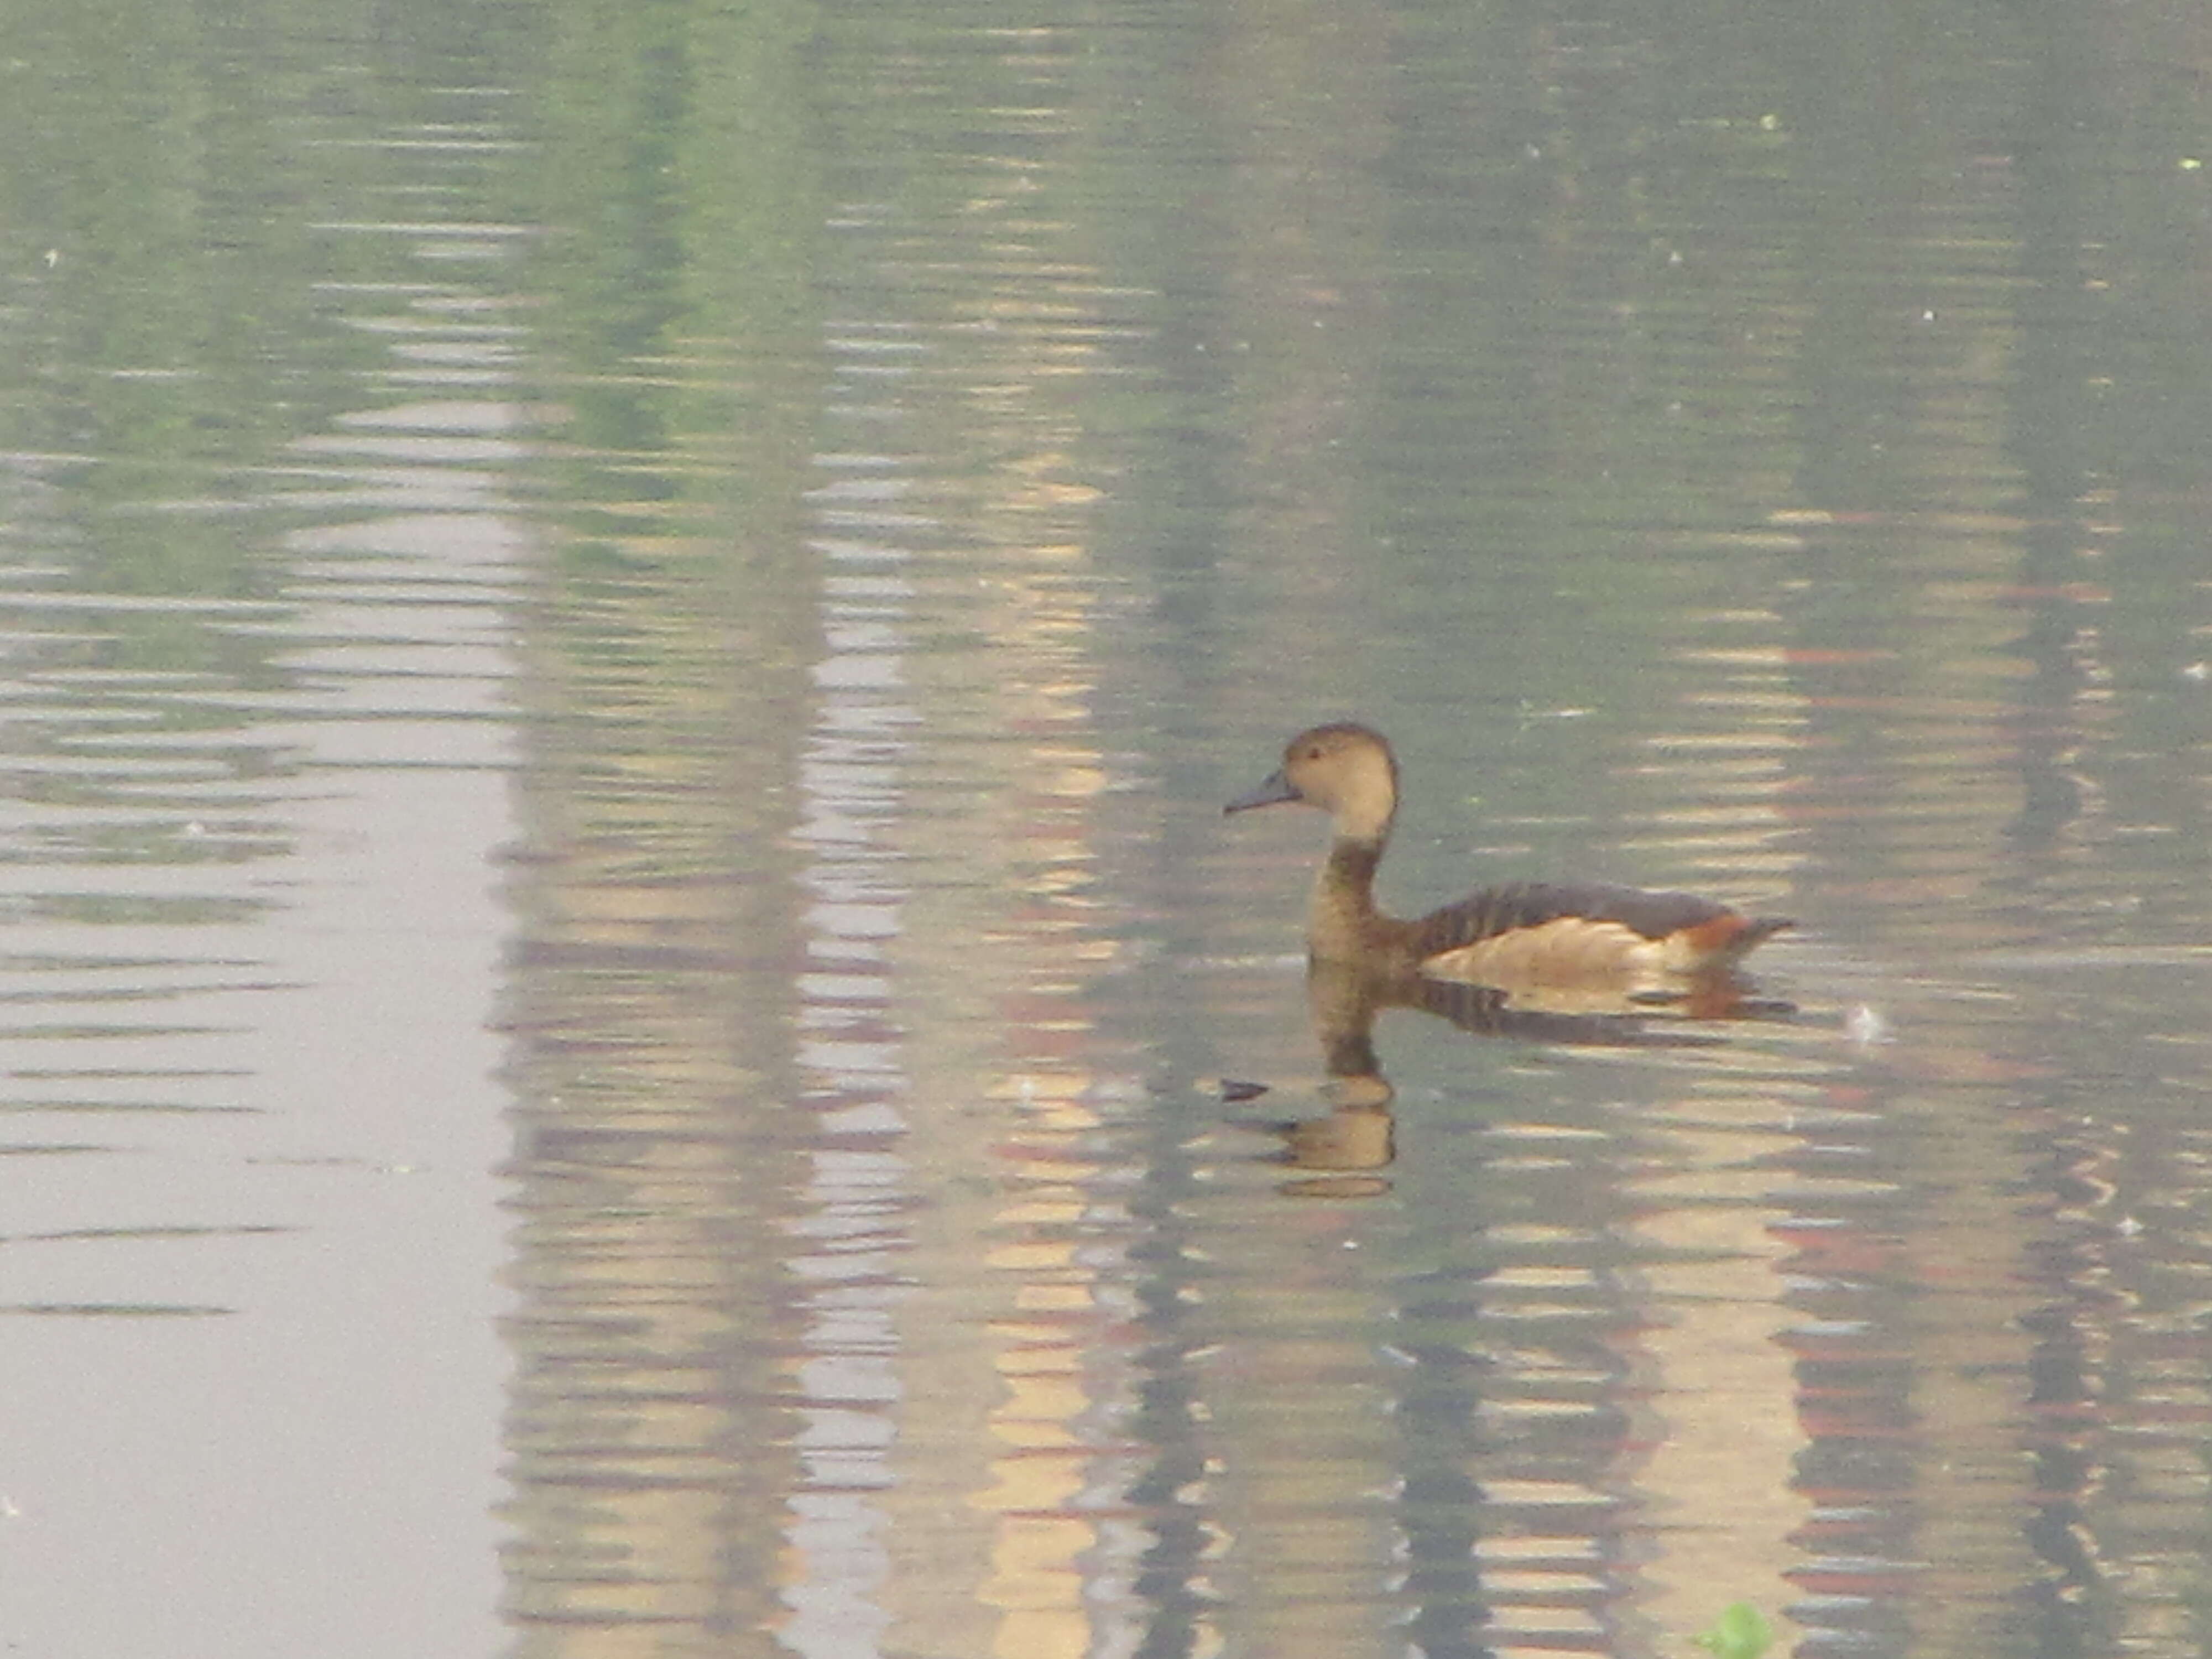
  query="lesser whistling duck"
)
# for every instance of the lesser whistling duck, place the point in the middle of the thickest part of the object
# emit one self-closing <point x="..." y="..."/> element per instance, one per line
<point x="1523" y="934"/>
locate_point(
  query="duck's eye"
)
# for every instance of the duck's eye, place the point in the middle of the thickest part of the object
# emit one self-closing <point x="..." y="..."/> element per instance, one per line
<point x="1313" y="753"/>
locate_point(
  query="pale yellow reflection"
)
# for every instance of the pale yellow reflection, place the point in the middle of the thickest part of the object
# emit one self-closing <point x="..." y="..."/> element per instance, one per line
<point x="1013" y="1342"/>
<point x="1720" y="1480"/>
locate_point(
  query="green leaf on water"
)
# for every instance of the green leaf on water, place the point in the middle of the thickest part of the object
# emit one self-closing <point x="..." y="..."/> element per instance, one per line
<point x="1740" y="1632"/>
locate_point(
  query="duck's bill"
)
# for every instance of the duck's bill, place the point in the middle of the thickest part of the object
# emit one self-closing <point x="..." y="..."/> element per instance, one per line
<point x="1273" y="792"/>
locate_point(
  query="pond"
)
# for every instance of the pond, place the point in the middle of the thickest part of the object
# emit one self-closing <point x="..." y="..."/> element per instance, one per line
<point x="634" y="1027"/>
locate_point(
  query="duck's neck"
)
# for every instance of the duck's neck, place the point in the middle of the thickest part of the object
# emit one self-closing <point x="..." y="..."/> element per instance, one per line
<point x="1342" y="921"/>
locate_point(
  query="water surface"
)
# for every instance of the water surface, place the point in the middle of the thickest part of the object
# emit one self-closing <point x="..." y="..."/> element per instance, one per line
<point x="624" y="639"/>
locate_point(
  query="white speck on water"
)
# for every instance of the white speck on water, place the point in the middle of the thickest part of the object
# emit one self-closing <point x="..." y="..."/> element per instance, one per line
<point x="1866" y="1027"/>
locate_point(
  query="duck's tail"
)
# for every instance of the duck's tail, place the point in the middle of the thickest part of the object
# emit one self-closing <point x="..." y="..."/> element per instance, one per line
<point x="1724" y="941"/>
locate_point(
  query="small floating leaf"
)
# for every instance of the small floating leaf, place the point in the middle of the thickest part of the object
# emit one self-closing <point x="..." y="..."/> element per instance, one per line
<point x="1740" y="1632"/>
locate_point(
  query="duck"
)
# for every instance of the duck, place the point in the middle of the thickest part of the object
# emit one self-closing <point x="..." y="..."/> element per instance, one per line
<point x="1521" y="935"/>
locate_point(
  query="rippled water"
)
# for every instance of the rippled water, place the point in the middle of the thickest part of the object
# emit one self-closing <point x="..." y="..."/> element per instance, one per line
<point x="633" y="1026"/>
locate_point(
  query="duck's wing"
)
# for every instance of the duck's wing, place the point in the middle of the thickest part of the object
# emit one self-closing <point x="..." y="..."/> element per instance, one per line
<point x="1522" y="905"/>
<point x="1590" y="922"/>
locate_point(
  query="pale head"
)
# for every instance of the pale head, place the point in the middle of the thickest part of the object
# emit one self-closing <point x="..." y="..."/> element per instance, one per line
<point x="1346" y="770"/>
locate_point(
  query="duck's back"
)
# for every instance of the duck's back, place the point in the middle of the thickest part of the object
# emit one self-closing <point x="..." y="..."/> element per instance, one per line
<point x="1557" y="933"/>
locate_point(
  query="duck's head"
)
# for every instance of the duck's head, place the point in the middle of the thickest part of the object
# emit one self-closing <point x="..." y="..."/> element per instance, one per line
<point x="1346" y="770"/>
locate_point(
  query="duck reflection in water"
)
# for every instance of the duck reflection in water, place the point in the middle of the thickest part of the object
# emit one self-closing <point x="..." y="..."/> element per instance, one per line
<point x="1570" y="963"/>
